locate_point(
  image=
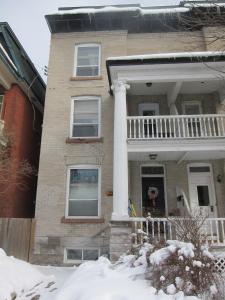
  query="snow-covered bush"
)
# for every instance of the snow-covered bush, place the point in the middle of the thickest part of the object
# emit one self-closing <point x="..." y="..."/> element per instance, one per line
<point x="183" y="267"/>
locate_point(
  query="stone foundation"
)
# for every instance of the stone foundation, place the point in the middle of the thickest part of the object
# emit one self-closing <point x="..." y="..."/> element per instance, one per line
<point x="120" y="239"/>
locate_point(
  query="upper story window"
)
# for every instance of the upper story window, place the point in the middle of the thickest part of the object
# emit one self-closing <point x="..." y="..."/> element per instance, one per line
<point x="192" y="108"/>
<point x="85" y="120"/>
<point x="87" y="60"/>
<point x="83" y="194"/>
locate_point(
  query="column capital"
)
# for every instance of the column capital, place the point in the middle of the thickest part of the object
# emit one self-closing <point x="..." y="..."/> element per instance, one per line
<point x="120" y="85"/>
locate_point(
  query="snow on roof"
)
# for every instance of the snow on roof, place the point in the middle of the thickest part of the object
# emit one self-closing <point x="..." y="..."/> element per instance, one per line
<point x="168" y="55"/>
<point x="197" y="3"/>
<point x="7" y="56"/>
<point x="108" y="9"/>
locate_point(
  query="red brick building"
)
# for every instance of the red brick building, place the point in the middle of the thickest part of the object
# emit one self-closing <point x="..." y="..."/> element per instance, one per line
<point x="22" y="93"/>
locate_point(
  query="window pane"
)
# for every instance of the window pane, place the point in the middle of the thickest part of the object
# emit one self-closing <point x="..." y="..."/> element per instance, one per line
<point x="83" y="184"/>
<point x="83" y="208"/>
<point x="199" y="169"/>
<point x="87" y="71"/>
<point x="74" y="254"/>
<point x="203" y="195"/>
<point x="192" y="109"/>
<point x="85" y="111"/>
<point x="90" y="254"/>
<point x="85" y="130"/>
<point x="152" y="170"/>
<point x="88" y="56"/>
<point x="1" y="102"/>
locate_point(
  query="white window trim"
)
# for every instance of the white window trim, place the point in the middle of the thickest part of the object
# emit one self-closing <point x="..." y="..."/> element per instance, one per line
<point x="85" y="98"/>
<point x="68" y="188"/>
<point x="193" y="102"/>
<point x="99" y="60"/>
<point x="72" y="261"/>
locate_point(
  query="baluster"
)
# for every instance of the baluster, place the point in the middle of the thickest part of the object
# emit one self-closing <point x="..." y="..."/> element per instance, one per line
<point x="223" y="238"/>
<point x="157" y="127"/>
<point x="205" y="128"/>
<point x="201" y="130"/>
<point x="158" y="229"/>
<point x="139" y="129"/>
<point x="165" y="124"/>
<point x="135" y="231"/>
<point x="161" y="129"/>
<point x="196" y="127"/>
<point x="187" y="127"/>
<point x="214" y="127"/>
<point x="130" y="132"/>
<point x="143" y="128"/>
<point x="183" y="128"/>
<point x="141" y="232"/>
<point x="170" y="231"/>
<point x="211" y="229"/>
<point x="164" y="229"/>
<point x="218" y="126"/>
<point x="178" y="123"/>
<point x="170" y="128"/>
<point x="153" y="229"/>
<point x="134" y="123"/>
<point x="174" y="127"/>
<point x="147" y="230"/>
<point x="148" y="128"/>
<point x="191" y="123"/>
<point x="222" y="126"/>
<point x="217" y="232"/>
<point x="153" y="135"/>
<point x="210" y="131"/>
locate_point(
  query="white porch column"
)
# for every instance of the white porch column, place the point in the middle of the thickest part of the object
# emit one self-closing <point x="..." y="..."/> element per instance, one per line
<point x="120" y="158"/>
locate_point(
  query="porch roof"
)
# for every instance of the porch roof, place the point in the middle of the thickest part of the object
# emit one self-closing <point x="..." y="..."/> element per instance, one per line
<point x="119" y="67"/>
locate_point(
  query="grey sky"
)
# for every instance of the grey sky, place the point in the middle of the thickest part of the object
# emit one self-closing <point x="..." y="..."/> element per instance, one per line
<point x="26" y="18"/>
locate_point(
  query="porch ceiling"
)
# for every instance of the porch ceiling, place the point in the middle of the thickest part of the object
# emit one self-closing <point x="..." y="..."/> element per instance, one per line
<point x="163" y="88"/>
<point x="177" y="156"/>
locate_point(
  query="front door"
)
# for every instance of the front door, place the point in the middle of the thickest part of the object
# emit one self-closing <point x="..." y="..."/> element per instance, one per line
<point x="201" y="189"/>
<point x="153" y="196"/>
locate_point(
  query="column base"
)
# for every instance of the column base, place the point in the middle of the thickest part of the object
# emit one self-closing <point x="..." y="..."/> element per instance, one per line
<point x="116" y="217"/>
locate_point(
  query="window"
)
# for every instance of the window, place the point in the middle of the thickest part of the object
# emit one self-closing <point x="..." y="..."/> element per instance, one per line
<point x="85" y="117"/>
<point x="203" y="195"/>
<point x="87" y="60"/>
<point x="83" y="191"/>
<point x="73" y="255"/>
<point x="192" y="108"/>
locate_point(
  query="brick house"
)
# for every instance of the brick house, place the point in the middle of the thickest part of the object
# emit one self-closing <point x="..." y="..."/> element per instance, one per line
<point x="22" y="93"/>
<point x="134" y="110"/>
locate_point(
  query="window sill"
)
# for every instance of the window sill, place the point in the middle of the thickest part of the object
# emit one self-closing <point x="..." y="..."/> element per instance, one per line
<point x="82" y="221"/>
<point x="84" y="78"/>
<point x="84" y="140"/>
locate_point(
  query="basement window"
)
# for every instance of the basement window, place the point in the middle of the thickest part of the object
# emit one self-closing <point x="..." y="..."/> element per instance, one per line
<point x="73" y="255"/>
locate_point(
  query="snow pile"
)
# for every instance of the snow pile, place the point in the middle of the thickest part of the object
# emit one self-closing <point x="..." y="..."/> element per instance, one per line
<point x="101" y="280"/>
<point x="17" y="276"/>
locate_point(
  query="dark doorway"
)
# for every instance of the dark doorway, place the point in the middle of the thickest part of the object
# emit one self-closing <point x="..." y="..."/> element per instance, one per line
<point x="153" y="196"/>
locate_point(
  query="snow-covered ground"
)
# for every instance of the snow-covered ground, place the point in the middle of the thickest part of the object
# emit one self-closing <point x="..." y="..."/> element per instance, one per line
<point x="99" y="280"/>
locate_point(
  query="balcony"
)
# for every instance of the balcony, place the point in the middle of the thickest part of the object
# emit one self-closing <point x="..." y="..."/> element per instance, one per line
<point x="209" y="126"/>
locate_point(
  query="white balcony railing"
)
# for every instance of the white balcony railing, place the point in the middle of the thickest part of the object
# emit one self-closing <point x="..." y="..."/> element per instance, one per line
<point x="176" y="127"/>
<point x="159" y="229"/>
